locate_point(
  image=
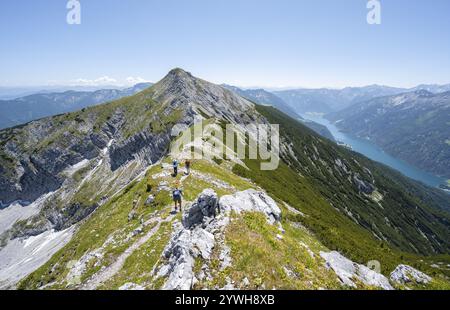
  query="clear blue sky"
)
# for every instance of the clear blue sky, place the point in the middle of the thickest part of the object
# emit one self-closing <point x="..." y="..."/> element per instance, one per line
<point x="309" y="43"/>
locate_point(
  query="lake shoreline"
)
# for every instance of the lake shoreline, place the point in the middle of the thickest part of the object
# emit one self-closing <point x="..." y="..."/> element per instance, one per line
<point x="369" y="149"/>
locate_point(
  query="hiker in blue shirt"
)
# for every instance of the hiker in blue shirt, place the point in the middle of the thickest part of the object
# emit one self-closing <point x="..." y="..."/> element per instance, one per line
<point x="176" y="194"/>
<point x="175" y="167"/>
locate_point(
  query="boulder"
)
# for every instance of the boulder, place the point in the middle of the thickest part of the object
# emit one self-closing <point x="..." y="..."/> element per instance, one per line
<point x="404" y="274"/>
<point x="137" y="231"/>
<point x="251" y="201"/>
<point x="150" y="199"/>
<point x="132" y="215"/>
<point x="204" y="207"/>
<point x="207" y="202"/>
<point x="348" y="271"/>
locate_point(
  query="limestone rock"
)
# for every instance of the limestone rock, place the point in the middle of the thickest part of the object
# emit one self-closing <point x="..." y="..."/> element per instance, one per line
<point x="348" y="271"/>
<point x="150" y="200"/>
<point x="184" y="246"/>
<point x="251" y="200"/>
<point x="137" y="231"/>
<point x="205" y="207"/>
<point x="404" y="274"/>
<point x="245" y="282"/>
<point x="131" y="287"/>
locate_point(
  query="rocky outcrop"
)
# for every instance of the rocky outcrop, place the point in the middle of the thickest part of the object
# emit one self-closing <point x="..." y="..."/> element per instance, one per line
<point x="205" y="207"/>
<point x="150" y="146"/>
<point x="251" y="200"/>
<point x="201" y="227"/>
<point x="349" y="272"/>
<point x="184" y="247"/>
<point x="405" y="274"/>
<point x="191" y="239"/>
<point x="363" y="186"/>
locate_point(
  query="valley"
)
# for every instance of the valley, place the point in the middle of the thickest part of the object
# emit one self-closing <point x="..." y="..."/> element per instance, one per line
<point x="369" y="149"/>
<point x="412" y="126"/>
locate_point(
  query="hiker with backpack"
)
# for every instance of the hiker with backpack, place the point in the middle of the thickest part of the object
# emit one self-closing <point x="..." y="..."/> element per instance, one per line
<point x="175" y="167"/>
<point x="177" y="194"/>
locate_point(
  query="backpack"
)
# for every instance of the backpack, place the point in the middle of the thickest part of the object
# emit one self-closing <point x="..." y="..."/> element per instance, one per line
<point x="177" y="193"/>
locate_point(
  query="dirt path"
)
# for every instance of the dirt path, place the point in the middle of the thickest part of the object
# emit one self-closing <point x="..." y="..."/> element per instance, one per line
<point x="103" y="275"/>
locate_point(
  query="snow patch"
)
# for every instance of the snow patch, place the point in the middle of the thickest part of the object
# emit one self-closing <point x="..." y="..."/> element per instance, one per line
<point x="17" y="211"/>
<point x="19" y="258"/>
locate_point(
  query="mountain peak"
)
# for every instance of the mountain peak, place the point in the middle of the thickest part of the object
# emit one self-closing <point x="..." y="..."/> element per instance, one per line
<point x="177" y="79"/>
<point x="179" y="73"/>
<point x="181" y="89"/>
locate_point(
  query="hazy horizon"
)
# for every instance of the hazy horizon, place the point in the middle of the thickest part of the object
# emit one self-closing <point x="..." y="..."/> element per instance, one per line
<point x="75" y="86"/>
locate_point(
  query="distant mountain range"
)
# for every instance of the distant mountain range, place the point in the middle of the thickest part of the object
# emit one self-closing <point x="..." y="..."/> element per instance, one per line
<point x="9" y="93"/>
<point x="414" y="126"/>
<point x="331" y="100"/>
<point x="264" y="97"/>
<point x="22" y="110"/>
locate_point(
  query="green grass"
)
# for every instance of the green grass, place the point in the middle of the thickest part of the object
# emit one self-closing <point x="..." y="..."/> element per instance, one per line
<point x="262" y="258"/>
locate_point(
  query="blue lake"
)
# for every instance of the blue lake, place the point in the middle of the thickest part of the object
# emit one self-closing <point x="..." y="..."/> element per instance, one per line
<point x="373" y="152"/>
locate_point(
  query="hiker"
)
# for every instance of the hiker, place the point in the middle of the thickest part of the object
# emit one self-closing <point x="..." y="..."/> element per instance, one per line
<point x="175" y="167"/>
<point x="187" y="163"/>
<point x="176" y="194"/>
